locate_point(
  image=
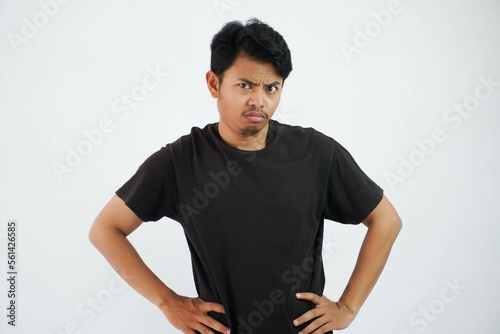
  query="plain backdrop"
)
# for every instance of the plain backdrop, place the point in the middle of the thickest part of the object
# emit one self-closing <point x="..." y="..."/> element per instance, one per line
<point x="410" y="88"/>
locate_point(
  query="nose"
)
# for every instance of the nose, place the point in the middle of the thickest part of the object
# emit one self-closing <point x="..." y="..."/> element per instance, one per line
<point x="256" y="100"/>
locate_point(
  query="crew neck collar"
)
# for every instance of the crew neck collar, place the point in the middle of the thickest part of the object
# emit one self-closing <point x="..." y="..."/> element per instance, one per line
<point x="269" y="136"/>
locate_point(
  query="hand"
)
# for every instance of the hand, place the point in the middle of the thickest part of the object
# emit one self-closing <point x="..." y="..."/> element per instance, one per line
<point x="328" y="315"/>
<point x="190" y="315"/>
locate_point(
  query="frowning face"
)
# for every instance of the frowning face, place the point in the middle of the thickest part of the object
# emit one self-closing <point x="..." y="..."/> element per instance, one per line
<point x="247" y="97"/>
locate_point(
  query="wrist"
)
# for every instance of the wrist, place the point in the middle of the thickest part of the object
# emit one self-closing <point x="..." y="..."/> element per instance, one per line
<point x="165" y="299"/>
<point x="351" y="307"/>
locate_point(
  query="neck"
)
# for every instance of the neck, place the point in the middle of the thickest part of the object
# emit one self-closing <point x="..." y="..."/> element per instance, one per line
<point x="240" y="141"/>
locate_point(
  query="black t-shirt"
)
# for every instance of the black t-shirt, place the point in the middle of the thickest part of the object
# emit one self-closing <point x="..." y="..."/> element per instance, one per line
<point x="253" y="220"/>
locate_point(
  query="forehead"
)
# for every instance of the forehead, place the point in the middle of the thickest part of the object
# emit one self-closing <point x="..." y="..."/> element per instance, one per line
<point x="248" y="68"/>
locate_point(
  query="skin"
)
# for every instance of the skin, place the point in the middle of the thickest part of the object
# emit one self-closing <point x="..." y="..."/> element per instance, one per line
<point x="383" y="225"/>
<point x="248" y="88"/>
<point x="247" y="97"/>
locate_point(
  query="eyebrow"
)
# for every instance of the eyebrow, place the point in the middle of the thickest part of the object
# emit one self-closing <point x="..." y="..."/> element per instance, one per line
<point x="255" y="84"/>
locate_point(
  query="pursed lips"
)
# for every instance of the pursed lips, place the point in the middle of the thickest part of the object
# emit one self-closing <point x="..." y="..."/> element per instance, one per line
<point x="255" y="116"/>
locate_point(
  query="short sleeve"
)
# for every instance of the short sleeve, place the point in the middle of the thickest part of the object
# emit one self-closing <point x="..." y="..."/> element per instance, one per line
<point x="151" y="193"/>
<point x="351" y="194"/>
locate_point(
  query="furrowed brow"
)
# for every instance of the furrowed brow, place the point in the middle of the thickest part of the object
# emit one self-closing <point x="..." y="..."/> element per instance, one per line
<point x="276" y="83"/>
<point x="248" y="81"/>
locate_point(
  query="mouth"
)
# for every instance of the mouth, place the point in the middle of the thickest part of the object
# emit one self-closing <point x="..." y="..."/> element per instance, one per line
<point x="255" y="117"/>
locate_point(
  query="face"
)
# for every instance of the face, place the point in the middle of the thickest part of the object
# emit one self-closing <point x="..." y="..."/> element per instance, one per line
<point x="247" y="97"/>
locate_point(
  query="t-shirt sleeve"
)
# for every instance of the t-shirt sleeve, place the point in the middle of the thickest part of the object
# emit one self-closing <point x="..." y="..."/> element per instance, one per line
<point x="351" y="194"/>
<point x="151" y="193"/>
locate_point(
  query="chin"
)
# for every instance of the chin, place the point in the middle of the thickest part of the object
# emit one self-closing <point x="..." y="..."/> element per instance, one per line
<point x="252" y="131"/>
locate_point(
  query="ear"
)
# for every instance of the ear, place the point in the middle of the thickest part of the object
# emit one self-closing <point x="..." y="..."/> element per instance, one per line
<point x="213" y="84"/>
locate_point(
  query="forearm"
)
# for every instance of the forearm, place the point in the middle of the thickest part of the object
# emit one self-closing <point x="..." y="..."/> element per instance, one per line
<point x="126" y="261"/>
<point x="371" y="260"/>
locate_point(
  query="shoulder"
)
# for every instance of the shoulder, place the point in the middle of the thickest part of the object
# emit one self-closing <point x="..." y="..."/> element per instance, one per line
<point x="180" y="152"/>
<point x="193" y="144"/>
<point x="197" y="135"/>
<point x="305" y="136"/>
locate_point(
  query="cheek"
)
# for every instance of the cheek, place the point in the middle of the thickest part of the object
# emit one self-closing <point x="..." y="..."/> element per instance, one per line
<point x="235" y="101"/>
<point x="273" y="105"/>
<point x="230" y="105"/>
<point x="274" y="101"/>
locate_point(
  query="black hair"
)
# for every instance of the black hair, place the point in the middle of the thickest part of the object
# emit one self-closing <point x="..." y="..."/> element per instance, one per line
<point x="256" y="40"/>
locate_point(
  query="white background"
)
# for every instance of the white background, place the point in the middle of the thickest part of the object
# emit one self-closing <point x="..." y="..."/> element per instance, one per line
<point x="64" y="66"/>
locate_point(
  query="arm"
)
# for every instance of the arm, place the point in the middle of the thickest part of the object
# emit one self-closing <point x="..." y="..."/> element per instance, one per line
<point x="109" y="235"/>
<point x="383" y="225"/>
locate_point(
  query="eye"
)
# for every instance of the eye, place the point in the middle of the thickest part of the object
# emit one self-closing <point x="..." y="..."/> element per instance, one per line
<point x="245" y="86"/>
<point x="272" y="89"/>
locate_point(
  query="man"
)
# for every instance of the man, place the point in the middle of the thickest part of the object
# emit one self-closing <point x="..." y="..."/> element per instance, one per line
<point x="252" y="195"/>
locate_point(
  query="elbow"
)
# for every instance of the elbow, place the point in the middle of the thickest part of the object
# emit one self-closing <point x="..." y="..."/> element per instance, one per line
<point x="102" y="233"/>
<point x="97" y="233"/>
<point x="390" y="226"/>
<point x="397" y="225"/>
<point x="93" y="234"/>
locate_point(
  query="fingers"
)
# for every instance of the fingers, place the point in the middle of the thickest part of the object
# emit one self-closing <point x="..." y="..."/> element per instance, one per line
<point x="209" y="321"/>
<point x="199" y="328"/>
<point x="317" y="326"/>
<point x="208" y="306"/>
<point x="309" y="315"/>
<point x="309" y="296"/>
<point x="190" y="315"/>
<point x="214" y="324"/>
<point x="326" y="316"/>
<point x="314" y="313"/>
